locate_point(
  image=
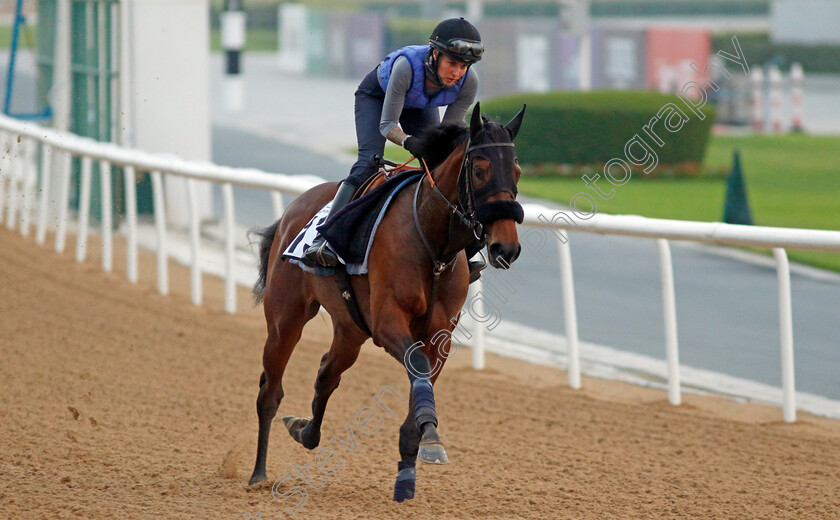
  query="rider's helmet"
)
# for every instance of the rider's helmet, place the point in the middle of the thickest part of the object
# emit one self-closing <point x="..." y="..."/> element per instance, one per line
<point x="458" y="39"/>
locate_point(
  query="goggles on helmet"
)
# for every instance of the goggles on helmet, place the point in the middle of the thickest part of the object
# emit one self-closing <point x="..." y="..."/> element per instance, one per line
<point x="464" y="46"/>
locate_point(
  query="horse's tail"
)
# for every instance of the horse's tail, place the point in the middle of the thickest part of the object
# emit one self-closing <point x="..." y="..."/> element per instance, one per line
<point x="265" y="238"/>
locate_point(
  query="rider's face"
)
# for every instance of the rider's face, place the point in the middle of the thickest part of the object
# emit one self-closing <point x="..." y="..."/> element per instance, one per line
<point x="450" y="70"/>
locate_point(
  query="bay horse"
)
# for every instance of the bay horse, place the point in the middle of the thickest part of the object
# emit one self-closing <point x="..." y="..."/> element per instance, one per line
<point x="416" y="284"/>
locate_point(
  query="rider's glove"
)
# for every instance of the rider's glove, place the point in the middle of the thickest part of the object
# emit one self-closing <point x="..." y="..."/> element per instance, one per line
<point x="414" y="146"/>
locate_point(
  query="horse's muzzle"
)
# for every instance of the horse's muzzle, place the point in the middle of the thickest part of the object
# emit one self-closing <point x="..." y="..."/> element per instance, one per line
<point x="503" y="255"/>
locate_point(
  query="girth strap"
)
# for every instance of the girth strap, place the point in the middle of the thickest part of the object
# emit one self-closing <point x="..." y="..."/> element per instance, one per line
<point x="349" y="297"/>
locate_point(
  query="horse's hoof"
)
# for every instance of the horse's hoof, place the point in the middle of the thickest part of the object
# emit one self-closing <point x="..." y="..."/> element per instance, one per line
<point x="296" y="427"/>
<point x="293" y="423"/>
<point x="288" y="420"/>
<point x="256" y="478"/>
<point x="432" y="453"/>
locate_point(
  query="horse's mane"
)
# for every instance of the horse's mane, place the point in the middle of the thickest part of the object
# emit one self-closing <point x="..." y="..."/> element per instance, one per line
<point x="438" y="142"/>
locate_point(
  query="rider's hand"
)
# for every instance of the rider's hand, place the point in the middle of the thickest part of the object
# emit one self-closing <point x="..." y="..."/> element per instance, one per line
<point x="414" y="146"/>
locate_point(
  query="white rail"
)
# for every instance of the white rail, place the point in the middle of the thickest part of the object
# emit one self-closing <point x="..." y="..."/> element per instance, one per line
<point x="18" y="202"/>
<point x="709" y="232"/>
<point x="59" y="148"/>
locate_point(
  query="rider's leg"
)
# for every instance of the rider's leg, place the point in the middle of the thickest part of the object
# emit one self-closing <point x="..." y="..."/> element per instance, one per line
<point x="477" y="265"/>
<point x="319" y="252"/>
<point x="368" y="113"/>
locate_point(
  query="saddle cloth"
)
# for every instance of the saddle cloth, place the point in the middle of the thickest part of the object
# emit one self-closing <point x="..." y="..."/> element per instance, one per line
<point x="351" y="231"/>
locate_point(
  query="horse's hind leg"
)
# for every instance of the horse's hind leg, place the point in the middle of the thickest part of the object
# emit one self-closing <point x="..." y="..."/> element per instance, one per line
<point x="346" y="343"/>
<point x="282" y="338"/>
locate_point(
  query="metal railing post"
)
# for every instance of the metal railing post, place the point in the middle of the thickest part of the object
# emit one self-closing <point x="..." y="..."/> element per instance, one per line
<point x="479" y="345"/>
<point x="63" y="202"/>
<point x="570" y="314"/>
<point x="786" y="333"/>
<point x="13" y="173"/>
<point x="131" y="221"/>
<point x="107" y="216"/>
<point x="160" y="229"/>
<point x="669" y="307"/>
<point x="30" y="181"/>
<point x="277" y="204"/>
<point x="195" y="244"/>
<point x="44" y="203"/>
<point x="230" y="284"/>
<point x="84" y="210"/>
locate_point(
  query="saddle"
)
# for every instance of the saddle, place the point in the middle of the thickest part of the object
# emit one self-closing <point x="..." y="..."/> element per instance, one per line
<point x="350" y="231"/>
<point x="381" y="175"/>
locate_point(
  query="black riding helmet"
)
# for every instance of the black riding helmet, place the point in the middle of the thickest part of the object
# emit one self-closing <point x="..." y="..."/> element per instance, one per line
<point x="458" y="39"/>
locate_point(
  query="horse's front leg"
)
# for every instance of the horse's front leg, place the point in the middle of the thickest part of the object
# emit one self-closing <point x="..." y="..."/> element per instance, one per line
<point x="406" y="468"/>
<point x="417" y="440"/>
<point x="418" y="434"/>
<point x="422" y="374"/>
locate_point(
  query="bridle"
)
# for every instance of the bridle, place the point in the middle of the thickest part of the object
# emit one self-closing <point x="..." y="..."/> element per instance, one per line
<point x="466" y="213"/>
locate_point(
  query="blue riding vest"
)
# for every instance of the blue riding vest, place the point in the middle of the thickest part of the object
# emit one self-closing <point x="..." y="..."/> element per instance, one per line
<point x="416" y="96"/>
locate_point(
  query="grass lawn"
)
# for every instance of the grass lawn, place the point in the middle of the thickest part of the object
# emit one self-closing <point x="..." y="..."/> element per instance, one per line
<point x="28" y="38"/>
<point x="255" y="40"/>
<point x="792" y="181"/>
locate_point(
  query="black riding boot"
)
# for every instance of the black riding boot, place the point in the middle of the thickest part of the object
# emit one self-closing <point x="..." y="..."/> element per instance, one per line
<point x="476" y="266"/>
<point x="319" y="253"/>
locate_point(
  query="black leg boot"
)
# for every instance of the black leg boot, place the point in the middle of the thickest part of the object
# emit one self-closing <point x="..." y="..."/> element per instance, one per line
<point x="319" y="253"/>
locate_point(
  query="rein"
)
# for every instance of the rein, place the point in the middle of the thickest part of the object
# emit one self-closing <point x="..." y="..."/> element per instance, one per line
<point x="465" y="216"/>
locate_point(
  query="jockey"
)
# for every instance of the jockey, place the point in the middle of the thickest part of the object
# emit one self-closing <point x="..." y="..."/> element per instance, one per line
<point x="399" y="98"/>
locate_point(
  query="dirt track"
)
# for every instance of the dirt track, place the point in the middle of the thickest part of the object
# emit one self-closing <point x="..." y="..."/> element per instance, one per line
<point x="120" y="403"/>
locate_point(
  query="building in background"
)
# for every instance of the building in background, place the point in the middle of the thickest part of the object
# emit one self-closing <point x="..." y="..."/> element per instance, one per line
<point x="132" y="72"/>
<point x="811" y="22"/>
<point x="531" y="46"/>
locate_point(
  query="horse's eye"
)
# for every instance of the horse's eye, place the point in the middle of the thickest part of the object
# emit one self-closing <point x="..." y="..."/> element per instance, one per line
<point x="479" y="171"/>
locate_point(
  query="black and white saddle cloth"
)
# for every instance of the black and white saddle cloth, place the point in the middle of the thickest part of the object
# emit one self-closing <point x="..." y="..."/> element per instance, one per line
<point x="351" y="231"/>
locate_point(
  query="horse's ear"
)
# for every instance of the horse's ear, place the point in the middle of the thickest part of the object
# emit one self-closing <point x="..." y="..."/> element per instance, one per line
<point x="475" y="121"/>
<point x="515" y="123"/>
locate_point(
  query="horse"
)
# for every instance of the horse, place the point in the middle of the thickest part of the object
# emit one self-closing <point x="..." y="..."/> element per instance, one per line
<point x="417" y="282"/>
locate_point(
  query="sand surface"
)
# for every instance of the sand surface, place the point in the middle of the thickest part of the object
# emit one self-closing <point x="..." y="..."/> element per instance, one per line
<point x="117" y="402"/>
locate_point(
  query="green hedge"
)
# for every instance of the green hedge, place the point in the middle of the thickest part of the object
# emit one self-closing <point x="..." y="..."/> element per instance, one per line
<point x="759" y="50"/>
<point x="584" y="128"/>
